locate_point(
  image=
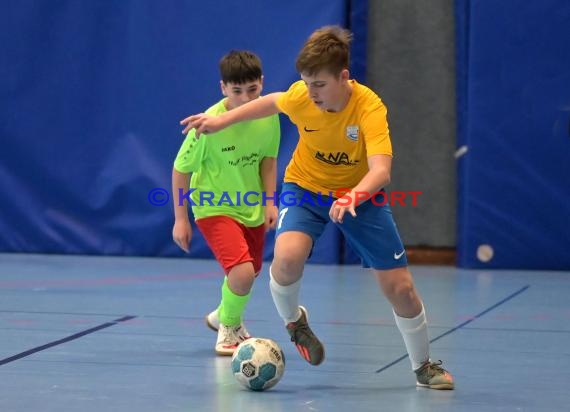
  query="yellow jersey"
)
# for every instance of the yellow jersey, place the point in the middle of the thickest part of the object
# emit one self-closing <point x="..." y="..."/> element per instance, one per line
<point x="333" y="146"/>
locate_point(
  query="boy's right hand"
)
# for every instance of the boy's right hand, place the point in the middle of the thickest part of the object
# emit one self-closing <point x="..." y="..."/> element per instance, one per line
<point x="203" y="123"/>
<point x="182" y="234"/>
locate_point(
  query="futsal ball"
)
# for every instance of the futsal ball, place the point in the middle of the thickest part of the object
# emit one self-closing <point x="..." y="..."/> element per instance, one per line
<point x="258" y="363"/>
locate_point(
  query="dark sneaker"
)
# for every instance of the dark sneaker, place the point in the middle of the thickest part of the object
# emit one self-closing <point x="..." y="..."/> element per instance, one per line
<point x="308" y="345"/>
<point x="432" y="375"/>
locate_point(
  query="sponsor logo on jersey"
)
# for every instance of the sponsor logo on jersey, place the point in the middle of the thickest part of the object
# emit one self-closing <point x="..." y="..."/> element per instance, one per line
<point x="337" y="158"/>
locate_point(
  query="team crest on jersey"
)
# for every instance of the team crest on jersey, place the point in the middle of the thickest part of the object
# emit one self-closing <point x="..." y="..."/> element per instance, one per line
<point x="352" y="132"/>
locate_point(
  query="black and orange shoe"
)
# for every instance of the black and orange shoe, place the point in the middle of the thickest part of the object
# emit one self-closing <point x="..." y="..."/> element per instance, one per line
<point x="432" y="375"/>
<point x="308" y="345"/>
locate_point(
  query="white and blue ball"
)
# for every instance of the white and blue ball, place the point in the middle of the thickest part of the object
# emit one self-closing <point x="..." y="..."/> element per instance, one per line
<point x="258" y="363"/>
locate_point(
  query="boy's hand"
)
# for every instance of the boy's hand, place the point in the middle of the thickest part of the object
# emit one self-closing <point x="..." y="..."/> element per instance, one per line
<point x="182" y="234"/>
<point x="203" y="123"/>
<point x="341" y="206"/>
<point x="271" y="214"/>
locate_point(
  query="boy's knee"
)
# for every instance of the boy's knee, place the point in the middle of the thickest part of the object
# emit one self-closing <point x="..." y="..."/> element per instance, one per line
<point x="287" y="269"/>
<point x="402" y="290"/>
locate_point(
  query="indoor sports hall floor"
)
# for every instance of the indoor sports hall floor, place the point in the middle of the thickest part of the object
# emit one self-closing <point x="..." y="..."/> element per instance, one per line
<point x="127" y="334"/>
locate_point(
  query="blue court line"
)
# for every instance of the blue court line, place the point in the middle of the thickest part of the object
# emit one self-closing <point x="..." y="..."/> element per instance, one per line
<point x="64" y="340"/>
<point x="496" y="305"/>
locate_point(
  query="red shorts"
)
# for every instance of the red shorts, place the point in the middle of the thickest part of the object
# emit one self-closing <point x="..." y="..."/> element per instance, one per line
<point x="233" y="243"/>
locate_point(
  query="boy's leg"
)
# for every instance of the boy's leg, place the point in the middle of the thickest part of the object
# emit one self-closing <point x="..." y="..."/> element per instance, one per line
<point x="291" y="251"/>
<point x="236" y="288"/>
<point x="398" y="286"/>
<point x="374" y="236"/>
<point x="299" y="225"/>
<point x="234" y="300"/>
<point x="227" y="240"/>
<point x="255" y="239"/>
<point x="236" y="293"/>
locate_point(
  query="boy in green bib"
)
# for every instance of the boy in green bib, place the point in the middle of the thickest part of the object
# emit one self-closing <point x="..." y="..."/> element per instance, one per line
<point x="232" y="185"/>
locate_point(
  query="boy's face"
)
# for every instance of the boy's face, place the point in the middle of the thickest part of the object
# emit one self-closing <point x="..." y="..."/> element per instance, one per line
<point x="328" y="91"/>
<point x="241" y="93"/>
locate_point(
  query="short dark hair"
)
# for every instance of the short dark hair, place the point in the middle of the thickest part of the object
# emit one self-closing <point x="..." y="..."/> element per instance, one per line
<point x="240" y="66"/>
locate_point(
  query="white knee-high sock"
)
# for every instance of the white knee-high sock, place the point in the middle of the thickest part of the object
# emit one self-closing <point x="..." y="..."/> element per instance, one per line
<point x="286" y="299"/>
<point x="414" y="332"/>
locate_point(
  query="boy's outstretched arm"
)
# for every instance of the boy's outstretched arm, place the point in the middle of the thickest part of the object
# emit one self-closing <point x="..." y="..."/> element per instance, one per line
<point x="255" y="109"/>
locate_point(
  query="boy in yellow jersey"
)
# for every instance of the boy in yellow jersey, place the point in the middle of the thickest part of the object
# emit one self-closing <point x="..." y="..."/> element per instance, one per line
<point x="344" y="149"/>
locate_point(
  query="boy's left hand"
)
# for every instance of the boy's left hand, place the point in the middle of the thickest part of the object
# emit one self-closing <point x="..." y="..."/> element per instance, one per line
<point x="271" y="214"/>
<point x="341" y="206"/>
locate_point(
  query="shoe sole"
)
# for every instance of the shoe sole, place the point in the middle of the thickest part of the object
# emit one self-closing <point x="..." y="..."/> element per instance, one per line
<point x="224" y="353"/>
<point x="441" y="386"/>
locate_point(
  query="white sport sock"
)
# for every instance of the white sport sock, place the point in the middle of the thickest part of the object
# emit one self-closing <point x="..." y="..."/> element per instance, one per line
<point x="414" y="332"/>
<point x="286" y="299"/>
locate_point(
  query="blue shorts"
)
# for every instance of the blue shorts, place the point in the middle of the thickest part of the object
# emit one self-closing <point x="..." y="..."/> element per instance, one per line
<point x="372" y="233"/>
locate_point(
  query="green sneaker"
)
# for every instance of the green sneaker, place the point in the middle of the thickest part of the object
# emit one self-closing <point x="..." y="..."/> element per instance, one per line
<point x="308" y="345"/>
<point x="432" y="375"/>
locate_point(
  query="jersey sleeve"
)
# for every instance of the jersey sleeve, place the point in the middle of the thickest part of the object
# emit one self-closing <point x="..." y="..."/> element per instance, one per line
<point x="274" y="138"/>
<point x="191" y="154"/>
<point x="290" y="101"/>
<point x="376" y="131"/>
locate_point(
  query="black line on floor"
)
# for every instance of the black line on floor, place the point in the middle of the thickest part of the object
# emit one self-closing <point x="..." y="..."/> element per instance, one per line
<point x="461" y="325"/>
<point x="64" y="340"/>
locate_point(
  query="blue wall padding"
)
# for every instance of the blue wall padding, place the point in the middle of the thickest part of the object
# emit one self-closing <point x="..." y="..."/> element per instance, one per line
<point x="92" y="93"/>
<point x="513" y="77"/>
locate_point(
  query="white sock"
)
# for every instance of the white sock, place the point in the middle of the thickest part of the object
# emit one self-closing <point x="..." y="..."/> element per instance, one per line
<point x="414" y="332"/>
<point x="286" y="299"/>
